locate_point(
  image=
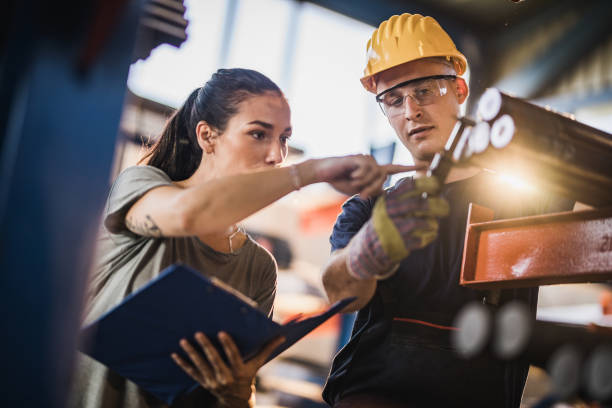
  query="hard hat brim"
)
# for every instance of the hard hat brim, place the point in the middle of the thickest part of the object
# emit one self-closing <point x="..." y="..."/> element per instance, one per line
<point x="459" y="63"/>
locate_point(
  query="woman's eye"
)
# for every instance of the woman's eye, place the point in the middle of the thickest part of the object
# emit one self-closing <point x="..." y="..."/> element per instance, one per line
<point x="284" y="139"/>
<point x="258" y="135"/>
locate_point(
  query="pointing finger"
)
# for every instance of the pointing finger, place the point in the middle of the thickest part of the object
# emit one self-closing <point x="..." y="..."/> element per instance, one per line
<point x="400" y="168"/>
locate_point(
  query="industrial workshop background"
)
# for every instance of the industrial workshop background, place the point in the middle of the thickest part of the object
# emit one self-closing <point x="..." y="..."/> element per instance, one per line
<point x="84" y="84"/>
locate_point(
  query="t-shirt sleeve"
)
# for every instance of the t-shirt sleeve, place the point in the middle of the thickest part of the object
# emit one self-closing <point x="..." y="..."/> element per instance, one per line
<point x="355" y="213"/>
<point x="130" y="185"/>
<point x="265" y="299"/>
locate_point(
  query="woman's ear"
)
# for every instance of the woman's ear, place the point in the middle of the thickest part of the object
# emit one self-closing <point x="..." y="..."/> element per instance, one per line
<point x="206" y="137"/>
<point x="462" y="89"/>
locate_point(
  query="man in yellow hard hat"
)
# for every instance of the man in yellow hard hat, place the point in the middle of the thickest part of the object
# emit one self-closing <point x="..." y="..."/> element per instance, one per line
<point x="401" y="254"/>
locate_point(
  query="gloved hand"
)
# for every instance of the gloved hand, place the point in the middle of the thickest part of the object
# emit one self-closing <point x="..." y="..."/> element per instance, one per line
<point x="402" y="220"/>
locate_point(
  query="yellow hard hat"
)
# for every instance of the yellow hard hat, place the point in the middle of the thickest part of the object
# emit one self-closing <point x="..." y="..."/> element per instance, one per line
<point x="406" y="38"/>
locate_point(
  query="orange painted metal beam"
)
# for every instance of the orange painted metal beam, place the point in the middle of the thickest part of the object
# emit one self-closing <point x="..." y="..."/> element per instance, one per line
<point x="551" y="249"/>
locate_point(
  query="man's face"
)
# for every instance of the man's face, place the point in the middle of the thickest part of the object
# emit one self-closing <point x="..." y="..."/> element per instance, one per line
<point x="424" y="130"/>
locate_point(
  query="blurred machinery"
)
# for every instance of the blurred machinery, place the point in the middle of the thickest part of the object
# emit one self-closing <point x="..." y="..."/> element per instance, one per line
<point x="550" y="151"/>
<point x="578" y="358"/>
<point x="63" y="69"/>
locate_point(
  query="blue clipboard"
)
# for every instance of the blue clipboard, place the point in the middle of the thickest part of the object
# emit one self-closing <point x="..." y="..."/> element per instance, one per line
<point x="135" y="338"/>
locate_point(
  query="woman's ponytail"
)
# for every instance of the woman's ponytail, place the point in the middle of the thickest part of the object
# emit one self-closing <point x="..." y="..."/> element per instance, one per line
<point x="177" y="151"/>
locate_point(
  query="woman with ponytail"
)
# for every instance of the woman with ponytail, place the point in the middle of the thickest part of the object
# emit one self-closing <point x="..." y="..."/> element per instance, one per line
<point x="218" y="160"/>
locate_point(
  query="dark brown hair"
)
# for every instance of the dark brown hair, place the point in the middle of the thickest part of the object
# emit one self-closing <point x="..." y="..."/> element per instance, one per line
<point x="177" y="151"/>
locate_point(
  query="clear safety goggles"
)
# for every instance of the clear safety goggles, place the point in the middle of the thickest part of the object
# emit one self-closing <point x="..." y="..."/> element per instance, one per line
<point x="423" y="91"/>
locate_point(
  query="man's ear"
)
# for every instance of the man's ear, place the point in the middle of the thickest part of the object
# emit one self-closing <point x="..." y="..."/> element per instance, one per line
<point x="206" y="136"/>
<point x="462" y="89"/>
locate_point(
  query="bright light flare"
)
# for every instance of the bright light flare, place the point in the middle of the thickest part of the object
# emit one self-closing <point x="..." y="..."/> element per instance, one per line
<point x="515" y="181"/>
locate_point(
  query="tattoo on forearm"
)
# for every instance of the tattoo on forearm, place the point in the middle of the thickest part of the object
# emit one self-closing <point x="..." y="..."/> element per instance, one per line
<point x="147" y="228"/>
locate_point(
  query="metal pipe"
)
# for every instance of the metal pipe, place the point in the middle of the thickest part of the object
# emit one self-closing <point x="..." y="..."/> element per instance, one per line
<point x="577" y="359"/>
<point x="511" y="332"/>
<point x="598" y="374"/>
<point x="519" y="335"/>
<point x="564" y="369"/>
<point x="475" y="329"/>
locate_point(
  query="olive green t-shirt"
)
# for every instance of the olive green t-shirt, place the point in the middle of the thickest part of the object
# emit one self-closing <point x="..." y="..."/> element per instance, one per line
<point x="126" y="261"/>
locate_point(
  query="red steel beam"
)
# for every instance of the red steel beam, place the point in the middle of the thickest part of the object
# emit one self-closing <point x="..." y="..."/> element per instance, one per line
<point x="549" y="249"/>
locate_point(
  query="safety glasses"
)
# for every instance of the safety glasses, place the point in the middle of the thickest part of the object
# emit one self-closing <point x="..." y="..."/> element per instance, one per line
<point x="423" y="91"/>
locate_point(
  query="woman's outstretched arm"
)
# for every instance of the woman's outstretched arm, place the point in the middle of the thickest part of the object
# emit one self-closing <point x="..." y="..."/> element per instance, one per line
<point x="215" y="205"/>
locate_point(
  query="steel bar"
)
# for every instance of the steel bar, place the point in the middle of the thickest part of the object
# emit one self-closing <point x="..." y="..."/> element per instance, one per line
<point x="539" y="250"/>
<point x="444" y="161"/>
<point x="549" y="149"/>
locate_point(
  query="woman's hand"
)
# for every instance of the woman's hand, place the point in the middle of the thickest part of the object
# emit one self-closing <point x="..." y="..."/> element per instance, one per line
<point x="356" y="174"/>
<point x="232" y="384"/>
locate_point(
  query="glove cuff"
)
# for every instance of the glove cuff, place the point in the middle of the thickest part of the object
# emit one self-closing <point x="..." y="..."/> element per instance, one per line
<point x="388" y="236"/>
<point x="366" y="258"/>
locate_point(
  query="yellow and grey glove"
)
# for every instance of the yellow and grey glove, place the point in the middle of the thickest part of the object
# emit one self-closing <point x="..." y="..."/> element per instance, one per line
<point x="402" y="220"/>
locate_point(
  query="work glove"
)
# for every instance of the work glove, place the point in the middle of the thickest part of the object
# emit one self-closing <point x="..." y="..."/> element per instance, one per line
<point x="403" y="219"/>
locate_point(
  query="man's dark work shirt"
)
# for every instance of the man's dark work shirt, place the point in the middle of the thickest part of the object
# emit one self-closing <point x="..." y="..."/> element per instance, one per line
<point x="392" y="356"/>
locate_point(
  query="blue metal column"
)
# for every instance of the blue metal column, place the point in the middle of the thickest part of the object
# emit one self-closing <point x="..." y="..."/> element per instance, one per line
<point x="291" y="36"/>
<point x="231" y="9"/>
<point x="55" y="157"/>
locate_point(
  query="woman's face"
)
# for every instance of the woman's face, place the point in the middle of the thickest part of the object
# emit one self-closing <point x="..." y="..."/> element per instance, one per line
<point x="256" y="136"/>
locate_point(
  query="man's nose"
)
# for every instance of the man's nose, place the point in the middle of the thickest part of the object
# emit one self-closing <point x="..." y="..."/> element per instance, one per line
<point x="412" y="110"/>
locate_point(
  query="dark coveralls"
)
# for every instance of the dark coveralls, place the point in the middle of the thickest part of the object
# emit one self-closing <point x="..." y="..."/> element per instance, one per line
<point x="400" y="345"/>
